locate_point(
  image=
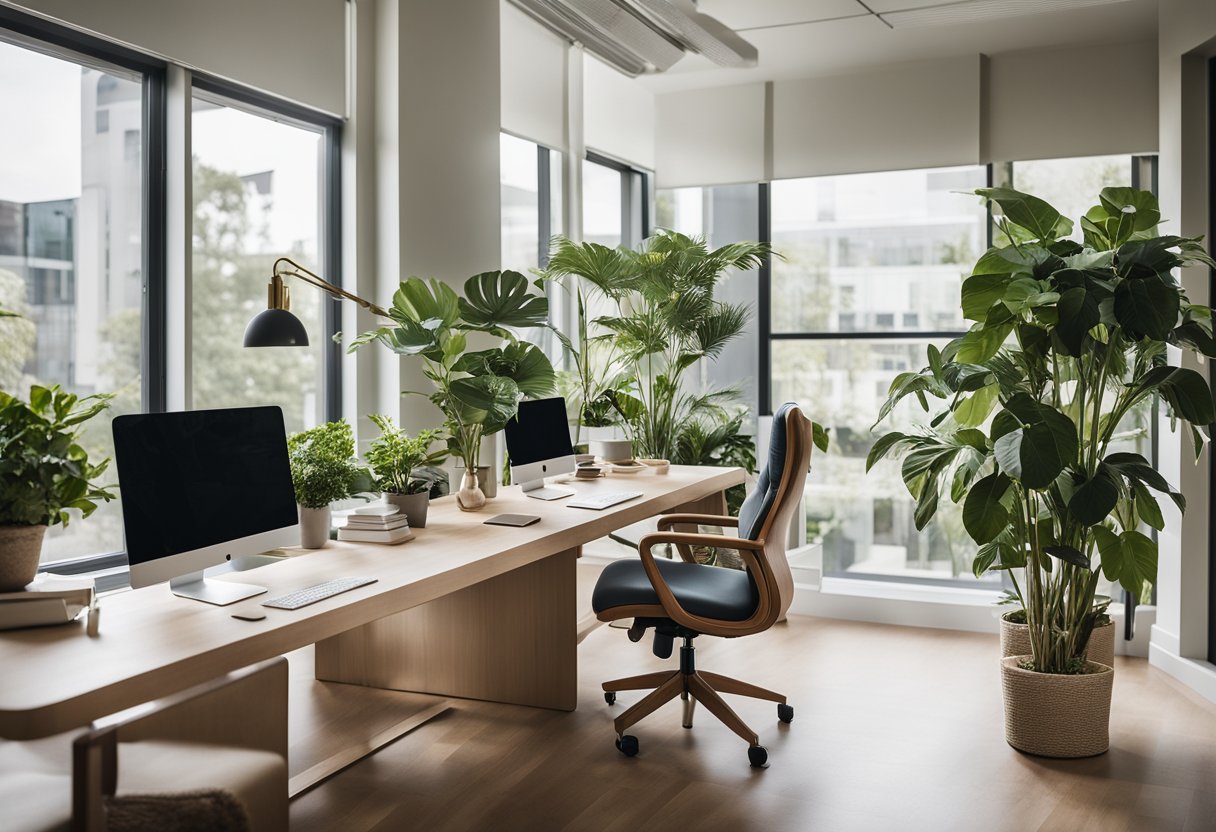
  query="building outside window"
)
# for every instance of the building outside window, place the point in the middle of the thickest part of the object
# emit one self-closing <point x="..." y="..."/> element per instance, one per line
<point x="71" y="247"/>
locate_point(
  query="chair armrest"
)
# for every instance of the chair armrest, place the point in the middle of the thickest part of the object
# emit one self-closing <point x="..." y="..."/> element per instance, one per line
<point x="747" y="550"/>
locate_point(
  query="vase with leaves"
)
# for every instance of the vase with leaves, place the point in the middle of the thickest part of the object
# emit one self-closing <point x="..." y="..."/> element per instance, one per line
<point x="394" y="457"/>
<point x="478" y="391"/>
<point x="1068" y="339"/>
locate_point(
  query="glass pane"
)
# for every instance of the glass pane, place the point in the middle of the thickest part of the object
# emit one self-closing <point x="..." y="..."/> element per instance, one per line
<point x="864" y="521"/>
<point x="520" y="204"/>
<point x="601" y="205"/>
<point x="875" y="251"/>
<point x="257" y="187"/>
<point x="1071" y="186"/>
<point x="71" y="249"/>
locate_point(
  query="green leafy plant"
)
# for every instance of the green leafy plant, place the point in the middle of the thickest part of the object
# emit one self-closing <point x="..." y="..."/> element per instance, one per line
<point x="1068" y="339"/>
<point x="477" y="391"/>
<point x="44" y="472"/>
<point x="709" y="440"/>
<point x="323" y="465"/>
<point x="394" y="456"/>
<point x="665" y="319"/>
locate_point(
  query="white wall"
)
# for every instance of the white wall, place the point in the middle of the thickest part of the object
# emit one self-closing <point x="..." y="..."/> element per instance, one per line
<point x="1079" y="101"/>
<point x="294" y="50"/>
<point x="618" y="114"/>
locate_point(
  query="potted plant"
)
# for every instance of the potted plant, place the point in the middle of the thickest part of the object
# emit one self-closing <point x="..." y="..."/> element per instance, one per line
<point x="393" y="458"/>
<point x="44" y="474"/>
<point x="1068" y="338"/>
<point x="478" y="391"/>
<point x="323" y="470"/>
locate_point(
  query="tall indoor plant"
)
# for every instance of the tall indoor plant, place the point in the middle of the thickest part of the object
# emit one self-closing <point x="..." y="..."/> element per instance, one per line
<point x="323" y="470"/>
<point x="478" y="391"/>
<point x="1067" y="339"/>
<point x="394" y="457"/>
<point x="44" y="474"/>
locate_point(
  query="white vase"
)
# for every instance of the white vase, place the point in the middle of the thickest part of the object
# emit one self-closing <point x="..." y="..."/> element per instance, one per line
<point x="470" y="497"/>
<point x="314" y="527"/>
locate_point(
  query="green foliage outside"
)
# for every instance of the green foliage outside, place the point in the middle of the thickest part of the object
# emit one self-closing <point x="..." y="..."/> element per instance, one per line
<point x="323" y="465"/>
<point x="479" y="391"/>
<point x="1068" y="340"/>
<point x="394" y="456"/>
<point x="44" y="472"/>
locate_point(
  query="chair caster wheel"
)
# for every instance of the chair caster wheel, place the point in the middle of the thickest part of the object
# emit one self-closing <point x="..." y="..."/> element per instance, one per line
<point x="610" y="697"/>
<point x="757" y="755"/>
<point x="627" y="745"/>
<point x="785" y="713"/>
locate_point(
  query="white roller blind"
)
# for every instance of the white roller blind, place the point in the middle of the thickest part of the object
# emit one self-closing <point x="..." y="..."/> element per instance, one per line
<point x="920" y="115"/>
<point x="618" y="113"/>
<point x="533" y="80"/>
<point x="1080" y="101"/>
<point x="295" y="50"/>
<point x="710" y="137"/>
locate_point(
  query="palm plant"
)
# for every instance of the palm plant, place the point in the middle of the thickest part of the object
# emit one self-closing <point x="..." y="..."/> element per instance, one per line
<point x="1068" y="339"/>
<point x="666" y="320"/>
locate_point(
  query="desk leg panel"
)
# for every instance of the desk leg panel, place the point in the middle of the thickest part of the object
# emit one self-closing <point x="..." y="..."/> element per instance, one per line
<point x="510" y="639"/>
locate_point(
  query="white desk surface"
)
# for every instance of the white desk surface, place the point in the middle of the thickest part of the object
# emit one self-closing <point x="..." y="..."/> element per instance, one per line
<point x="153" y="643"/>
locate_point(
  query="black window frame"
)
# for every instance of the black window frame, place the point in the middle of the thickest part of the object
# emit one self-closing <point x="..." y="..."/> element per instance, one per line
<point x="636" y="184"/>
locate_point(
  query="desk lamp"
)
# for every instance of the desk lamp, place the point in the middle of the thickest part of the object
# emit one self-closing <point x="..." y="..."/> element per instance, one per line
<point x="276" y="326"/>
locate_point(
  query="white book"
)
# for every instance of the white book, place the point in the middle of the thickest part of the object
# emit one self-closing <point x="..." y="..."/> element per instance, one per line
<point x="46" y="586"/>
<point x="393" y="522"/>
<point x="390" y="536"/>
<point x="376" y="510"/>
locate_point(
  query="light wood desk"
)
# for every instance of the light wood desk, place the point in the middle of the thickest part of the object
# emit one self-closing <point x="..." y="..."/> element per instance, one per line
<point x="465" y="609"/>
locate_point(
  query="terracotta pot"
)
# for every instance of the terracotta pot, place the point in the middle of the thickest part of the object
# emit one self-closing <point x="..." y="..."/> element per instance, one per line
<point x="314" y="527"/>
<point x="1057" y="714"/>
<point x="20" y="549"/>
<point x="413" y="506"/>
<point x="470" y="497"/>
<point x="1015" y="641"/>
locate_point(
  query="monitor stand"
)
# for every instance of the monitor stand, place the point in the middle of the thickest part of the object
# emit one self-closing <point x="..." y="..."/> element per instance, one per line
<point x="220" y="593"/>
<point x="538" y="489"/>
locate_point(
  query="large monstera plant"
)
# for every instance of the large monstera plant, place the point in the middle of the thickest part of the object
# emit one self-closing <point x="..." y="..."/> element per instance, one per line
<point x="478" y="391"/>
<point x="1068" y="339"/>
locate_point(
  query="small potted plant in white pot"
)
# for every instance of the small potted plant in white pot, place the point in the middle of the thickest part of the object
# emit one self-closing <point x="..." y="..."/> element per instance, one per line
<point x="323" y="471"/>
<point x="393" y="458"/>
<point x="44" y="474"/>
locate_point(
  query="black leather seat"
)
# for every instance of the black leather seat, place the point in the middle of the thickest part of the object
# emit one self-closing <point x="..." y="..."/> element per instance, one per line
<point x="709" y="591"/>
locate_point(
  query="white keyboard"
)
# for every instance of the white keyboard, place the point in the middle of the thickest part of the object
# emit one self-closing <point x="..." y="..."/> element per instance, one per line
<point x="318" y="592"/>
<point x="599" y="502"/>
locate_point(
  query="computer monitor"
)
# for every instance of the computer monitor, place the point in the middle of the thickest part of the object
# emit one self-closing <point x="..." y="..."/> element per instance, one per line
<point x="538" y="443"/>
<point x="199" y="488"/>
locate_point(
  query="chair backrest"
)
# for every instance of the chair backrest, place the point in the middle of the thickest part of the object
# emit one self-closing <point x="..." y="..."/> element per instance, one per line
<point x="766" y="515"/>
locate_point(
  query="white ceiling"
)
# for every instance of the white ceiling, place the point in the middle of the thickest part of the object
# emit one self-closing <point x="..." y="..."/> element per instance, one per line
<point x="804" y="38"/>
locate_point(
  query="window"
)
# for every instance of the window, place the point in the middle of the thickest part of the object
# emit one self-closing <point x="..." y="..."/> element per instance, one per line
<point x="867" y="259"/>
<point x="616" y="202"/>
<point x="531" y="191"/>
<point x="259" y="183"/>
<point x="72" y="244"/>
<point x="1069" y="185"/>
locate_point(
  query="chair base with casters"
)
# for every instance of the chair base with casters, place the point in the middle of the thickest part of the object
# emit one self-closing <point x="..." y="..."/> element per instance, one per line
<point x="684" y="599"/>
<point x="692" y="686"/>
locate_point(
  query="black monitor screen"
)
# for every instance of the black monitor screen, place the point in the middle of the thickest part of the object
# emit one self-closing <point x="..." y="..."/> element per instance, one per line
<point x="539" y="432"/>
<point x="200" y="478"/>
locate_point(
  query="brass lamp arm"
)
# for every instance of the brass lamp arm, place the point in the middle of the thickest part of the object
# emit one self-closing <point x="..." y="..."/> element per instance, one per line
<point x="304" y="274"/>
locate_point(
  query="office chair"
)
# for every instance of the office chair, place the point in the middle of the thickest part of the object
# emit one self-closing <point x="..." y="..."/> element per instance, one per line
<point x="684" y="599"/>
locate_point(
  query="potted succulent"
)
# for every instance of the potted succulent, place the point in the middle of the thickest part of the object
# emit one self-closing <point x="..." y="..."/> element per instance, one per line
<point x="393" y="458"/>
<point x="323" y="471"/>
<point x="478" y="391"/>
<point x="44" y="474"/>
<point x="1068" y="338"/>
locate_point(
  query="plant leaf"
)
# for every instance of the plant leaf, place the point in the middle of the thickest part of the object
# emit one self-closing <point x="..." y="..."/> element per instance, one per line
<point x="984" y="515"/>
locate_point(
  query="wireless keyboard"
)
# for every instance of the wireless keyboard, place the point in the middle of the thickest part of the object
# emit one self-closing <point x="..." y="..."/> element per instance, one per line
<point x="599" y="502"/>
<point x="319" y="592"/>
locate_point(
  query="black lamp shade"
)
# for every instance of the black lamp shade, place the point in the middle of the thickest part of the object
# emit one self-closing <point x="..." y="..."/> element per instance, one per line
<point x="275" y="328"/>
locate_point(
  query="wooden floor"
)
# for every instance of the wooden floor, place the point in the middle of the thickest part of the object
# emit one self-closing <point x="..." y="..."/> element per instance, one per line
<point x="895" y="729"/>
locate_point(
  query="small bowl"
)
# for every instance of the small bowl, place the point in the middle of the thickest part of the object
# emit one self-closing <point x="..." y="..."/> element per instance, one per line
<point x="660" y="466"/>
<point x="583" y="459"/>
<point x="627" y="468"/>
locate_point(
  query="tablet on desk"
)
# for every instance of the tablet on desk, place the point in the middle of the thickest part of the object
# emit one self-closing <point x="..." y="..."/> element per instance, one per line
<point x="513" y="520"/>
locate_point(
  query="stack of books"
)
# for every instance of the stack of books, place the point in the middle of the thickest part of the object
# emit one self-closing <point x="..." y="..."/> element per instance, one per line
<point x="376" y="524"/>
<point x="50" y="599"/>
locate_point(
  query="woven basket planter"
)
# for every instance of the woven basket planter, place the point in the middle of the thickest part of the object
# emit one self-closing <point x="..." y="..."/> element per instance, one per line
<point x="20" y="549"/>
<point x="1015" y="641"/>
<point x="1055" y="714"/>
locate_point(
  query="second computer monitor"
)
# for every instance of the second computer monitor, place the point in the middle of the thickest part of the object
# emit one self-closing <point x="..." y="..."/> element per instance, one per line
<point x="538" y="443"/>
